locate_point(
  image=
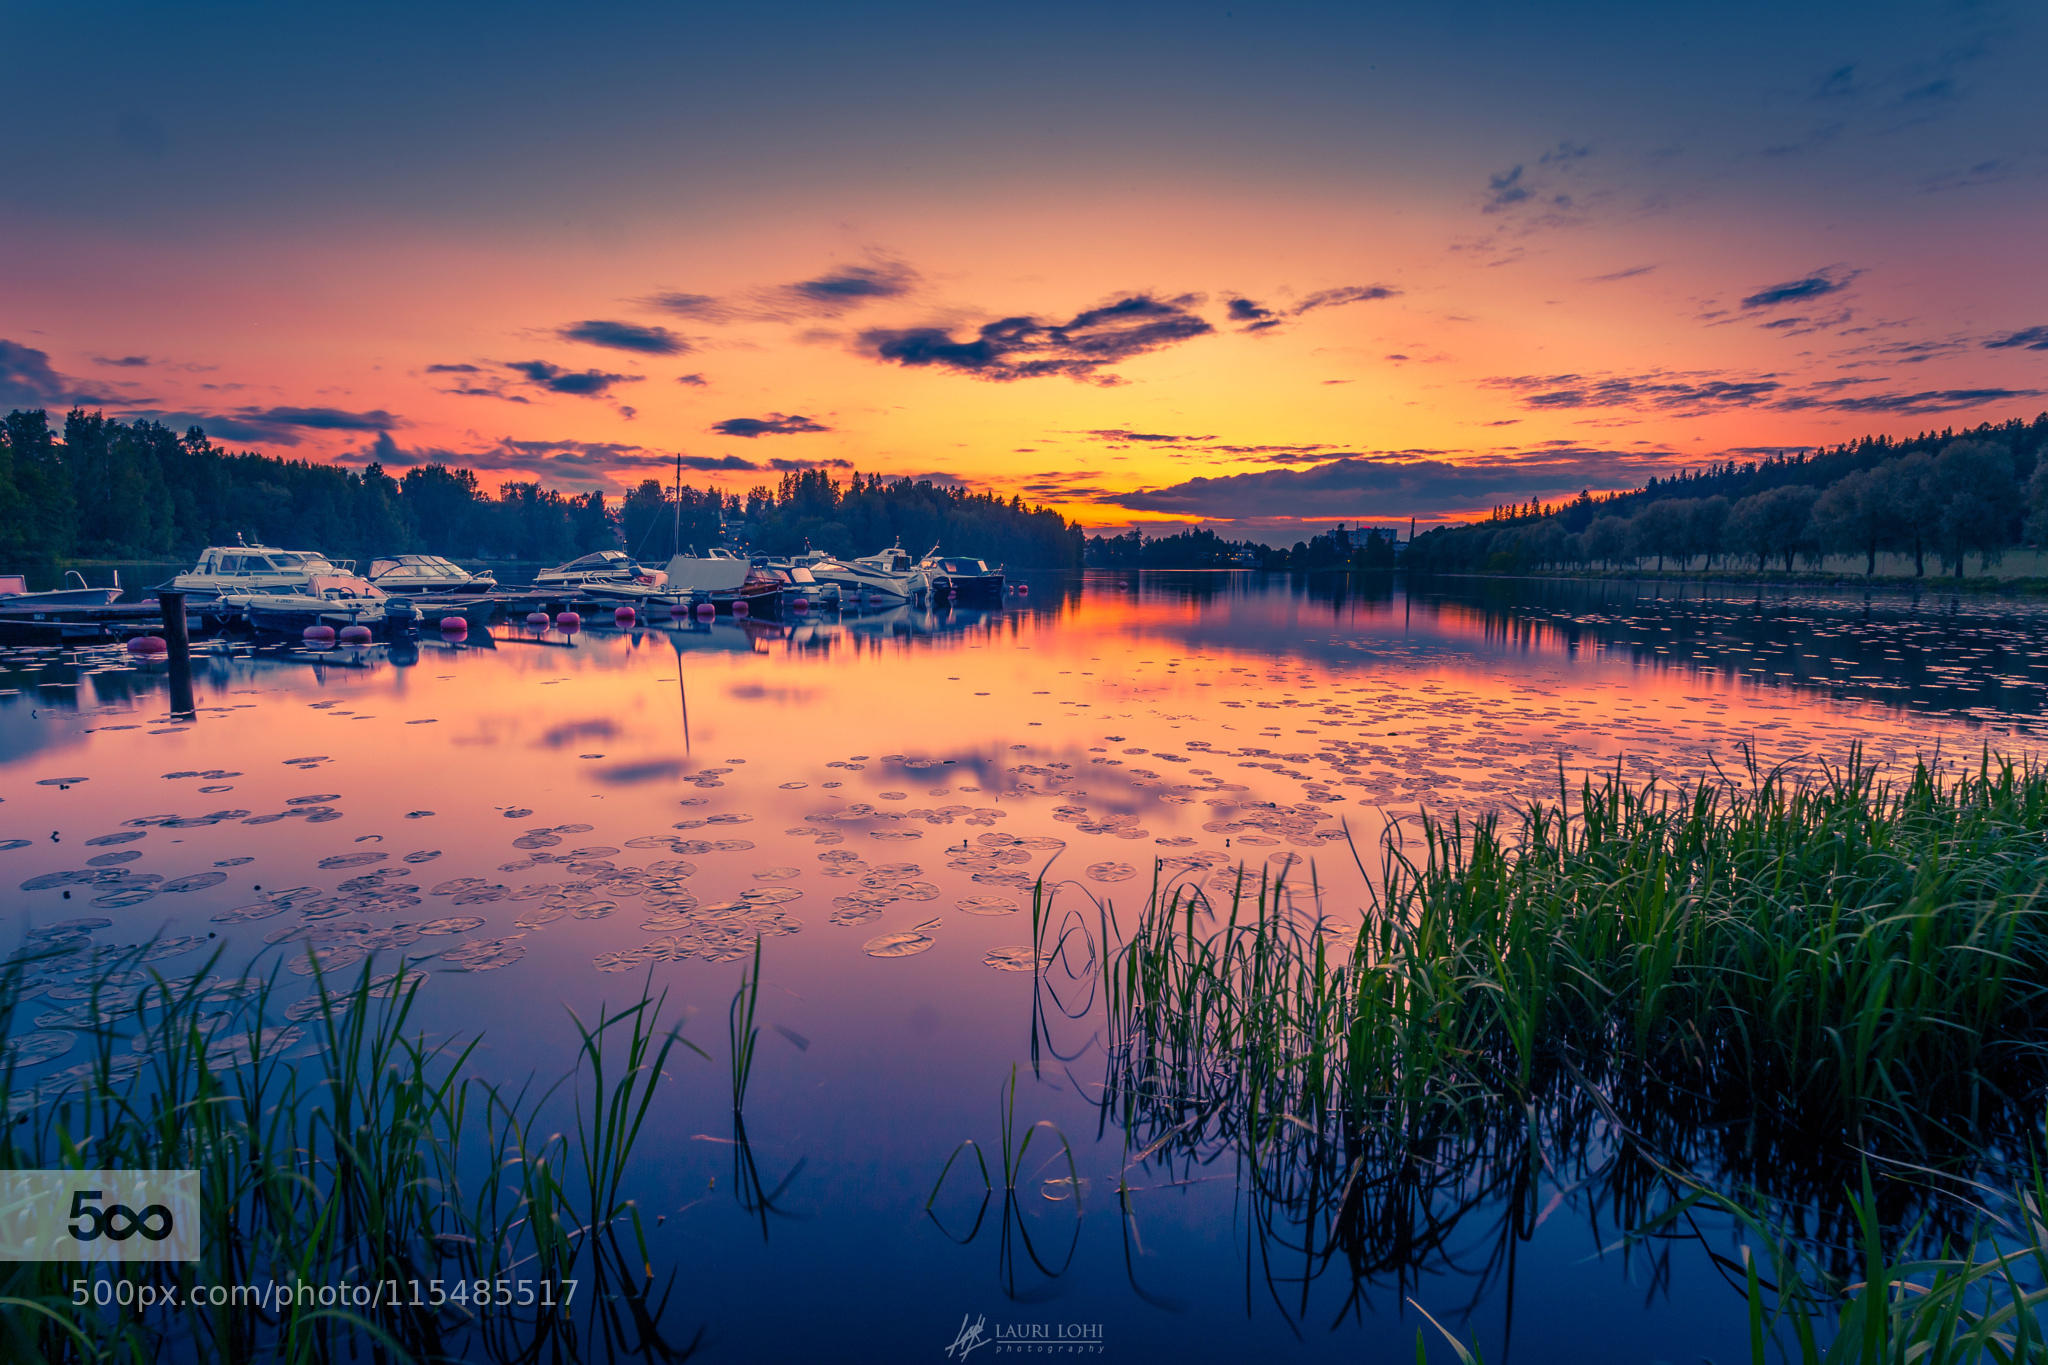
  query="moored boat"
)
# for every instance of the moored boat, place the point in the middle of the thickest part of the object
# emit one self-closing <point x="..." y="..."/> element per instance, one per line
<point x="603" y="569"/>
<point x="14" y="592"/>
<point x="337" y="599"/>
<point x="800" y="584"/>
<point x="722" y="578"/>
<point x="225" y="570"/>
<point x="885" y="578"/>
<point x="425" y="574"/>
<point x="963" y="579"/>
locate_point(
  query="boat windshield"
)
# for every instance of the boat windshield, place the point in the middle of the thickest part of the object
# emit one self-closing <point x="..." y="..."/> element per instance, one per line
<point x="963" y="566"/>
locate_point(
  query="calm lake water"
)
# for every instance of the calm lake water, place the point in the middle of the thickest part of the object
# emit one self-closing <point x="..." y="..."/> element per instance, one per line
<point x="541" y="820"/>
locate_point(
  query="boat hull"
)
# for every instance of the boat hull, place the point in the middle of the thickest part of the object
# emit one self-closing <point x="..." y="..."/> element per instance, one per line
<point x="63" y="597"/>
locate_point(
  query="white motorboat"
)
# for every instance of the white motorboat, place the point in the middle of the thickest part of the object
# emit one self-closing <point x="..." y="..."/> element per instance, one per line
<point x="427" y="574"/>
<point x="963" y="579"/>
<point x="14" y="592"/>
<point x="716" y="572"/>
<point x="336" y="599"/>
<point x="722" y="578"/>
<point x="239" y="570"/>
<point x="799" y="582"/>
<point x="604" y="569"/>
<point x="888" y="577"/>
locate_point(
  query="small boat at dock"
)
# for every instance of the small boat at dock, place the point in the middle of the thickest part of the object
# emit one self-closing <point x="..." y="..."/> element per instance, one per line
<point x="242" y="570"/>
<point x="418" y="575"/>
<point x="338" y="599"/>
<point x="14" y="593"/>
<point x="963" y="579"/>
<point x="722" y="578"/>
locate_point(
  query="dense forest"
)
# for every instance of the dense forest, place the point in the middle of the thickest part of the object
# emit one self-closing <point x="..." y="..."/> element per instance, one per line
<point x="1938" y="498"/>
<point x="104" y="489"/>
<point x="1340" y="547"/>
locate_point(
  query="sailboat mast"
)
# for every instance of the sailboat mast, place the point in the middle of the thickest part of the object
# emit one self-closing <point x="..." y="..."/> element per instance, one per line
<point x="677" y="537"/>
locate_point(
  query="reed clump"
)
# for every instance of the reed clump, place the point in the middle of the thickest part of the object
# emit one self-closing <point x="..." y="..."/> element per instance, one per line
<point x="1746" y="992"/>
<point x="349" y="1147"/>
<point x="1863" y="956"/>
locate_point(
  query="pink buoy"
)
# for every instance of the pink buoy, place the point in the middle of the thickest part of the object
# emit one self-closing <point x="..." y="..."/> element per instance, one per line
<point x="569" y="622"/>
<point x="800" y="605"/>
<point x="455" y="625"/>
<point x="148" y="644"/>
<point x="318" y="634"/>
<point x="537" y="618"/>
<point x="354" y="635"/>
<point x="623" y="615"/>
<point x="740" y="607"/>
<point x="705" y="611"/>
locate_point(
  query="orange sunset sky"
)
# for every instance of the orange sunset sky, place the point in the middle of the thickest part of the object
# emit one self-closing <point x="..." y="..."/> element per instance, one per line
<point x="1144" y="263"/>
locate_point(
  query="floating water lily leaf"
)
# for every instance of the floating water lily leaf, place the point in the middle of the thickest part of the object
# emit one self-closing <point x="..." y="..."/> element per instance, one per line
<point x="198" y="881"/>
<point x="455" y="924"/>
<point x="904" y="944"/>
<point x="987" y="905"/>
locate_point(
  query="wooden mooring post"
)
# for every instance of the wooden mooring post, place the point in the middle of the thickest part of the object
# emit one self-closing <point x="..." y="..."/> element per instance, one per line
<point x="178" y="645"/>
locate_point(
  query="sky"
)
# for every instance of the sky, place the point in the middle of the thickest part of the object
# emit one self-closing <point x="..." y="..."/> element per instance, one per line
<point x="1257" y="267"/>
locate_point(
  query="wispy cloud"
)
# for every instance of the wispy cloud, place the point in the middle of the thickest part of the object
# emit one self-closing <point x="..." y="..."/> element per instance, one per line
<point x="553" y="378"/>
<point x="1027" y="347"/>
<point x="625" y="336"/>
<point x="774" y="424"/>
<point x="2028" y="338"/>
<point x="1829" y="280"/>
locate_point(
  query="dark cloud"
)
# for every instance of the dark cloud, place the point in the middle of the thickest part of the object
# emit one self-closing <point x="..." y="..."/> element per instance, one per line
<point x="2029" y="338"/>
<point x="554" y="379"/>
<point x="123" y="362"/>
<point x="1398" y="486"/>
<point x="830" y="294"/>
<point x="838" y="290"/>
<point x="1025" y="347"/>
<point x="1628" y="274"/>
<point x="1119" y="436"/>
<point x="774" y="424"/>
<point x="1832" y="280"/>
<point x="1504" y="190"/>
<point x="1656" y="390"/>
<point x="27" y="380"/>
<point x="1343" y="294"/>
<point x="1252" y="317"/>
<point x="703" y="307"/>
<point x="624" y="336"/>
<point x="1908" y="404"/>
<point x="695" y="381"/>
<point x="488" y="391"/>
<point x="277" y="426"/>
<point x="1696" y="394"/>
<point x="453" y="369"/>
<point x="320" y="419"/>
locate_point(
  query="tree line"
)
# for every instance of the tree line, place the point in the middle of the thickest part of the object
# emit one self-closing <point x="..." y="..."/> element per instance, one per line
<point x="1939" y="497"/>
<point x="100" y="488"/>
<point x="1340" y="547"/>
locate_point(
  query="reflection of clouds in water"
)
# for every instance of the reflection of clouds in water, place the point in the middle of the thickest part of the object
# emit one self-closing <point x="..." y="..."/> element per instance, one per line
<point x="890" y="766"/>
